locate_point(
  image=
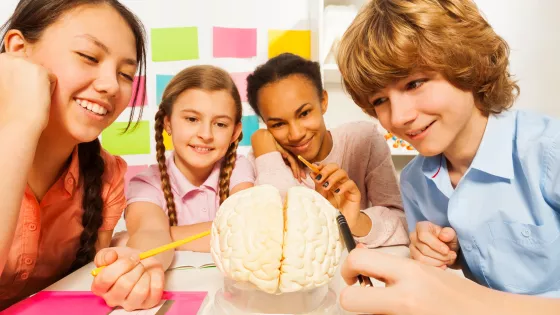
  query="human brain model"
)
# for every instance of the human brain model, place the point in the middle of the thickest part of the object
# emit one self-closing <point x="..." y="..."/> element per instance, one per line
<point x="277" y="247"/>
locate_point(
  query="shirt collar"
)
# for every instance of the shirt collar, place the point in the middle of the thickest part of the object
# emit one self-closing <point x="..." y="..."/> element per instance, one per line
<point x="183" y="186"/>
<point x="494" y="155"/>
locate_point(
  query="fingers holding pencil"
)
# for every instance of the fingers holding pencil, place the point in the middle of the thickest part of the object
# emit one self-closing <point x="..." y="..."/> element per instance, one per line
<point x="132" y="279"/>
<point x="128" y="281"/>
<point x="158" y="250"/>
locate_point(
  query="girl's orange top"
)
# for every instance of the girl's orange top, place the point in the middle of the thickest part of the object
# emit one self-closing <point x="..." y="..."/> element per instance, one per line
<point x="48" y="232"/>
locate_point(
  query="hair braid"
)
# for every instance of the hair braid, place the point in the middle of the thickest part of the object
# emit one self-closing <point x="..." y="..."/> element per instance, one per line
<point x="227" y="167"/>
<point x="160" y="155"/>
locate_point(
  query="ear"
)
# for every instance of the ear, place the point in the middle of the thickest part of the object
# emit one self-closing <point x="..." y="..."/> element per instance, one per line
<point x="15" y="43"/>
<point x="167" y="124"/>
<point x="236" y="132"/>
<point x="324" y="102"/>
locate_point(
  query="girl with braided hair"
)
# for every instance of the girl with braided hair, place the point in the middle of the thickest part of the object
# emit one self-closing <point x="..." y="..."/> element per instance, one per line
<point x="64" y="78"/>
<point x="201" y="110"/>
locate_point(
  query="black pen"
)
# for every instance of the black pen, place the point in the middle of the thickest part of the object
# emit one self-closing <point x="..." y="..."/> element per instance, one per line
<point x="350" y="244"/>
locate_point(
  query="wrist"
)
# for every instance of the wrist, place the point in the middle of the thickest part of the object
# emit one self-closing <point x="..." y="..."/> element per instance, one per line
<point x="363" y="224"/>
<point x="30" y="133"/>
<point x="263" y="142"/>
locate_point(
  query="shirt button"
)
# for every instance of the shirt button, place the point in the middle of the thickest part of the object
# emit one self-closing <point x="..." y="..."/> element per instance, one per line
<point x="204" y="210"/>
<point x="24" y="275"/>
<point x="32" y="227"/>
<point x="468" y="247"/>
<point x="526" y="232"/>
<point x="70" y="181"/>
<point x="28" y="261"/>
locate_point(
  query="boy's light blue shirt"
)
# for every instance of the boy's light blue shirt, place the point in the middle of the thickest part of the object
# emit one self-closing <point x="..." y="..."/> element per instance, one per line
<point x="505" y="210"/>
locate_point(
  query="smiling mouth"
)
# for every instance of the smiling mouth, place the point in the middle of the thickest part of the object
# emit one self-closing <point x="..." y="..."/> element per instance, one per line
<point x="92" y="107"/>
<point x="302" y="145"/>
<point x="201" y="149"/>
<point x="415" y="133"/>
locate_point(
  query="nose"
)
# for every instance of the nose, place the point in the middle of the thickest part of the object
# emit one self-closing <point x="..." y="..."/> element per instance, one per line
<point x="403" y="111"/>
<point x="295" y="133"/>
<point x="205" y="132"/>
<point x="107" y="83"/>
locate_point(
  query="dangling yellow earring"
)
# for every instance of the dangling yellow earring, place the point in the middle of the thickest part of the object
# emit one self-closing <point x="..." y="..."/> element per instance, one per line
<point x="168" y="133"/>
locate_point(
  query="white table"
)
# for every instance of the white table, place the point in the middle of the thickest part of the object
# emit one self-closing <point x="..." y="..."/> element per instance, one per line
<point x="209" y="280"/>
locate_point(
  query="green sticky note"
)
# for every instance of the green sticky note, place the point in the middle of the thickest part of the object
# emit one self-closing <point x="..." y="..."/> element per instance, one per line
<point x="134" y="141"/>
<point x="172" y="44"/>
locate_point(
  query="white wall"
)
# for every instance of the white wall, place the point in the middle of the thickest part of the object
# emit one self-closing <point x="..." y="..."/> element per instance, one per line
<point x="531" y="29"/>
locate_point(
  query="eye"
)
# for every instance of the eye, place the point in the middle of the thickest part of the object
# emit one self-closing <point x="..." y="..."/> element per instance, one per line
<point x="221" y="125"/>
<point x="88" y="58"/>
<point x="277" y="125"/>
<point x="305" y="113"/>
<point x="128" y="77"/>
<point x="191" y="119"/>
<point x="378" y="101"/>
<point x="415" y="84"/>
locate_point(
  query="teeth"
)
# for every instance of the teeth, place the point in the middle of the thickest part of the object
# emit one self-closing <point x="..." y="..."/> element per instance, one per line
<point x="418" y="132"/>
<point x="201" y="149"/>
<point x="95" y="108"/>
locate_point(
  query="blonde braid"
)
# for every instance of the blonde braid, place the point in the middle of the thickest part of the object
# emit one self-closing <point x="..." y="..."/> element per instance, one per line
<point x="160" y="155"/>
<point x="227" y="167"/>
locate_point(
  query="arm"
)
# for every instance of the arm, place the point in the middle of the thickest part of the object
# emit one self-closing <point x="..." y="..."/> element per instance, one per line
<point x="16" y="166"/>
<point x="387" y="217"/>
<point x="25" y="98"/>
<point x="270" y="163"/>
<point x="184" y="231"/>
<point x="148" y="227"/>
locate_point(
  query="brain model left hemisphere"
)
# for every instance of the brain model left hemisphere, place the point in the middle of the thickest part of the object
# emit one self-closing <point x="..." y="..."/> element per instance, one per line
<point x="278" y="247"/>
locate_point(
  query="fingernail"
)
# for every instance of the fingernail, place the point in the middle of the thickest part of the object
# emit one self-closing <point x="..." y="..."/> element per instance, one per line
<point x="134" y="258"/>
<point x="326" y="184"/>
<point x="337" y="190"/>
<point x="319" y="177"/>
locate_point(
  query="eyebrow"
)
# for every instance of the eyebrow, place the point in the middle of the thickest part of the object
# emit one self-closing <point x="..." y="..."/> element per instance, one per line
<point x="198" y="113"/>
<point x="298" y="111"/>
<point x="99" y="44"/>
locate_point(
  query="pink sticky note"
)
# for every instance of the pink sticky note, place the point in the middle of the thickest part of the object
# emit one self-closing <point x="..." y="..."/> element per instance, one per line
<point x="57" y="302"/>
<point x="131" y="171"/>
<point x="185" y="303"/>
<point x="86" y="303"/>
<point x="138" y="83"/>
<point x="235" y="42"/>
<point x="240" y="79"/>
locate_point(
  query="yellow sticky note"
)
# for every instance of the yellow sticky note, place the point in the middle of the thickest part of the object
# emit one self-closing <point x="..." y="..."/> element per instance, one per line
<point x="167" y="141"/>
<point x="293" y="41"/>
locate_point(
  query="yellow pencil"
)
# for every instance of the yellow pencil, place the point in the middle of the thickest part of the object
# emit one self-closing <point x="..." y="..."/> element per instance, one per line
<point x="311" y="166"/>
<point x="161" y="249"/>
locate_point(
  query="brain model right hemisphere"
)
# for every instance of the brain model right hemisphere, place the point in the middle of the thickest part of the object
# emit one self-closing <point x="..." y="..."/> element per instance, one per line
<point x="277" y="247"/>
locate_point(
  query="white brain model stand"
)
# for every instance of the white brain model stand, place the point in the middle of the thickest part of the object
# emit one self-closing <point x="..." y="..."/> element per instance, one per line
<point x="276" y="257"/>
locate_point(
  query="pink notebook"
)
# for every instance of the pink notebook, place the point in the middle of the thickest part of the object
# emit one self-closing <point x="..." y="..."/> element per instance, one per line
<point x="86" y="303"/>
